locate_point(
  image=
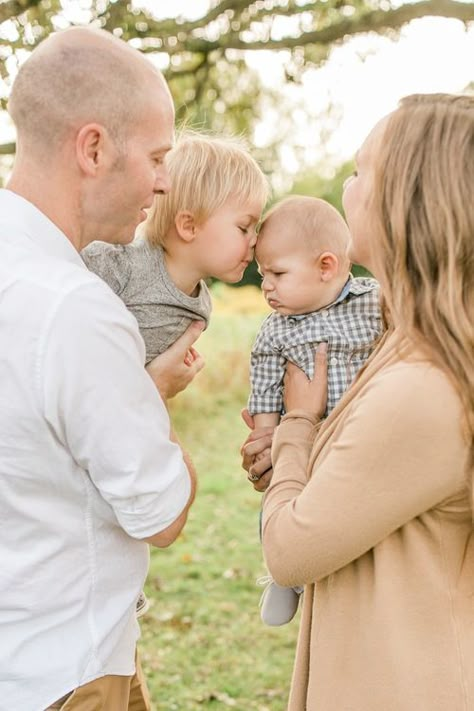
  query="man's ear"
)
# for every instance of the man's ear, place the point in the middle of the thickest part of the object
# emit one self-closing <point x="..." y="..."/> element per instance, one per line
<point x="328" y="265"/>
<point x="185" y="225"/>
<point x="92" y="147"/>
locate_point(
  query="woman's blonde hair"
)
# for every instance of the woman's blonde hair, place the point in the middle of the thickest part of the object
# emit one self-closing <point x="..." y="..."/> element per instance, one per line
<point x="424" y="210"/>
<point x="205" y="172"/>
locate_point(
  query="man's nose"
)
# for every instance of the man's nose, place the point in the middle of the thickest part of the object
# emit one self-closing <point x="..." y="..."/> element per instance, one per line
<point x="162" y="182"/>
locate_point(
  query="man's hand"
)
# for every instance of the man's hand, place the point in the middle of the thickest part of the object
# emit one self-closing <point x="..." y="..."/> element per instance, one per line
<point x="173" y="370"/>
<point x="255" y="453"/>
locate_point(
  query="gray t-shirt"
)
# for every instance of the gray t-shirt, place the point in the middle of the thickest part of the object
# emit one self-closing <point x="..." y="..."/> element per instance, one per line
<point x="137" y="273"/>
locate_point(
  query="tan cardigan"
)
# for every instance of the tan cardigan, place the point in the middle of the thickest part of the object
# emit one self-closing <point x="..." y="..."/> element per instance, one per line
<point x="373" y="517"/>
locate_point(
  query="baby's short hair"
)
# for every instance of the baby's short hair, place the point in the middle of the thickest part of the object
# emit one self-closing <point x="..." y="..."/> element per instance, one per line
<point x="313" y="220"/>
<point x="205" y="172"/>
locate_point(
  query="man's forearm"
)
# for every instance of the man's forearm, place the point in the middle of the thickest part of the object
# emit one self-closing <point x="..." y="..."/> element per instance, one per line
<point x="190" y="468"/>
<point x="165" y="538"/>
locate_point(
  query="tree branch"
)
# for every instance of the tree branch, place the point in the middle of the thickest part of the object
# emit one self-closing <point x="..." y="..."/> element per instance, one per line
<point x="7" y="149"/>
<point x="172" y="73"/>
<point x="215" y="12"/>
<point x="12" y="8"/>
<point x="374" y="21"/>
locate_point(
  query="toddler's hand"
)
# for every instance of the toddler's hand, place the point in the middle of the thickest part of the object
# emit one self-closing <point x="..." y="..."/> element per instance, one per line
<point x="173" y="370"/>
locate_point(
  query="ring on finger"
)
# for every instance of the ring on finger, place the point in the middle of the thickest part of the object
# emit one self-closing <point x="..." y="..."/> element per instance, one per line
<point x="253" y="477"/>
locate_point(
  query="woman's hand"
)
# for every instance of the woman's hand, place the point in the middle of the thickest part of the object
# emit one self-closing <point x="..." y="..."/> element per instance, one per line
<point x="300" y="393"/>
<point x="255" y="451"/>
<point x="173" y="370"/>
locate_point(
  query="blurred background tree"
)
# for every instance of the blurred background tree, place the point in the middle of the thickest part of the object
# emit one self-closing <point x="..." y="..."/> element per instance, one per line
<point x="205" y="61"/>
<point x="204" y="58"/>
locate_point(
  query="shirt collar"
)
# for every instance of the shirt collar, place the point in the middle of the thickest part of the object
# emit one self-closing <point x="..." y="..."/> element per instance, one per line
<point x="352" y="286"/>
<point x="344" y="291"/>
<point x="24" y="217"/>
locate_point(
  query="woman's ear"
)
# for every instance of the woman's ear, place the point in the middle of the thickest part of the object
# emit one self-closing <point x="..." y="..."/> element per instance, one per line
<point x="328" y="265"/>
<point x="185" y="225"/>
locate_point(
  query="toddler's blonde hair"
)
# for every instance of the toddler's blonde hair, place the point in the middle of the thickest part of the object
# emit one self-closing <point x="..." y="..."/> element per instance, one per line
<point x="205" y="172"/>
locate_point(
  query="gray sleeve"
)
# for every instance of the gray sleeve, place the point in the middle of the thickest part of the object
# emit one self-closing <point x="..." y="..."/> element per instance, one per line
<point x="267" y="369"/>
<point x="110" y="262"/>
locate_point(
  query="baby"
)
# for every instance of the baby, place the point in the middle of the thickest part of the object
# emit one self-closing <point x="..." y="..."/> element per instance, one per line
<point x="301" y="253"/>
<point x="204" y="227"/>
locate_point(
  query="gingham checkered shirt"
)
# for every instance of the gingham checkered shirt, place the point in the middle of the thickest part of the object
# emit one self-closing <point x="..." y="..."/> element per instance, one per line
<point x="350" y="326"/>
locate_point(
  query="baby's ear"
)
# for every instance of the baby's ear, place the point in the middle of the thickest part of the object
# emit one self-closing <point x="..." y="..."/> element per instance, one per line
<point x="328" y="265"/>
<point x="185" y="225"/>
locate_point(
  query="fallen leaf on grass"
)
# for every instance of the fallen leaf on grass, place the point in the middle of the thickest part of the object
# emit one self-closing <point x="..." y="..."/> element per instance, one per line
<point x="217" y="696"/>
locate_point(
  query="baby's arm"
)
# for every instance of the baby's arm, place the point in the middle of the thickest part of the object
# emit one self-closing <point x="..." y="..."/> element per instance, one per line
<point x="267" y="368"/>
<point x="265" y="419"/>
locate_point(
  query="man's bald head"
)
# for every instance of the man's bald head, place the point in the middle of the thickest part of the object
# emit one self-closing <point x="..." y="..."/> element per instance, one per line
<point x="81" y="76"/>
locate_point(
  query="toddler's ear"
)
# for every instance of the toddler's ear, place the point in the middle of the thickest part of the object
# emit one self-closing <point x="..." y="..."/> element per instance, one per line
<point x="328" y="265"/>
<point x="185" y="225"/>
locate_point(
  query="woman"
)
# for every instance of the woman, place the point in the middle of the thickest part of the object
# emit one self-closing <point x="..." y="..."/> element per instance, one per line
<point x="373" y="511"/>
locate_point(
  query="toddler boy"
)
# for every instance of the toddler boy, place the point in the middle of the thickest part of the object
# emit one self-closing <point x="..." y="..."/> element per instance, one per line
<point x="204" y="227"/>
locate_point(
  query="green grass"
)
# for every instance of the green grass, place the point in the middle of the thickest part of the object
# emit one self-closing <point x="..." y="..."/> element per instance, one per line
<point x="203" y="645"/>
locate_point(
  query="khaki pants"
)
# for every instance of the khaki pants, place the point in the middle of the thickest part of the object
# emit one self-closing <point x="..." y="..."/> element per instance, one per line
<point x="108" y="693"/>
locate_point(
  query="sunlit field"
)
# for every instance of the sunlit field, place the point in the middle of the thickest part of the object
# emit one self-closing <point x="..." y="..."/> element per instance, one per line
<point x="203" y="645"/>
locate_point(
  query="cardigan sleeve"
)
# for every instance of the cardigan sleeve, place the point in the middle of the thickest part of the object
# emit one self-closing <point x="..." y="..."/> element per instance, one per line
<point x="398" y="453"/>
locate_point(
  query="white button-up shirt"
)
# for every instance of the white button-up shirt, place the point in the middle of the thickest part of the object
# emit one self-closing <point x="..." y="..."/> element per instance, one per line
<point x="86" y="467"/>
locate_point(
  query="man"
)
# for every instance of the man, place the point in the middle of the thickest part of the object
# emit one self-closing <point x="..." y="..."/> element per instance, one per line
<point x="89" y="470"/>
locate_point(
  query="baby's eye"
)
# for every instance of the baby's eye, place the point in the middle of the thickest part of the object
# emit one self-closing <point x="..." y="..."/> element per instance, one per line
<point x="244" y="230"/>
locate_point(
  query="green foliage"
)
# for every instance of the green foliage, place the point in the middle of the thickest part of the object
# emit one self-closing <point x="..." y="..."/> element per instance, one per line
<point x="326" y="187"/>
<point x="330" y="189"/>
<point x="204" y="58"/>
<point x="203" y="645"/>
<point x="222" y="98"/>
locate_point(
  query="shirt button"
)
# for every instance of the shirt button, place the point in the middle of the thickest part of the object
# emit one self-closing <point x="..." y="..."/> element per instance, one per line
<point x="292" y="321"/>
<point x="333" y="361"/>
<point x="324" y="313"/>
